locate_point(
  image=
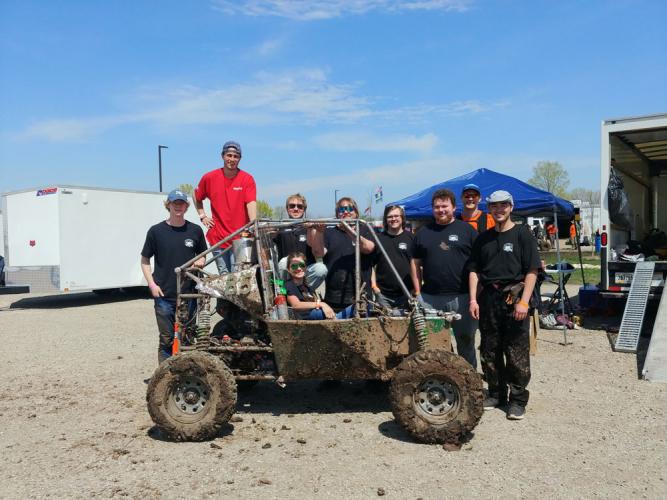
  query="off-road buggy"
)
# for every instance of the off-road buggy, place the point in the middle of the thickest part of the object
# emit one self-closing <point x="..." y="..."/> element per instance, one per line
<point x="434" y="393"/>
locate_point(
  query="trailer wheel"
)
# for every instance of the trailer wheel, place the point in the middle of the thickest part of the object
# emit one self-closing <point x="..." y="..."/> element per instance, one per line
<point x="191" y="396"/>
<point x="436" y="396"/>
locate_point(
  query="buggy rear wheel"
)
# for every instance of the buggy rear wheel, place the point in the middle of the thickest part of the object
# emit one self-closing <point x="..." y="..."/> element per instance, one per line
<point x="436" y="396"/>
<point x="191" y="396"/>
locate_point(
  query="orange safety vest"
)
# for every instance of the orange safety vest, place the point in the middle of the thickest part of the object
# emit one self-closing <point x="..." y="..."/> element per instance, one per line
<point x="480" y="223"/>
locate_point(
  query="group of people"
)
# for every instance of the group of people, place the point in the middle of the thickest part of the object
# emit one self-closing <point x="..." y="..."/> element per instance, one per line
<point x="472" y="264"/>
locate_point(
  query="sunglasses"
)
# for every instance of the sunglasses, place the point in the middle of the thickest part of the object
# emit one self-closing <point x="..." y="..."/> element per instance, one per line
<point x="345" y="208"/>
<point x="292" y="206"/>
<point x="295" y="266"/>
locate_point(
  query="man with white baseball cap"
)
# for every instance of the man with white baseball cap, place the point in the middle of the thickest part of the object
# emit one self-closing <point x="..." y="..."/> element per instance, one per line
<point x="504" y="263"/>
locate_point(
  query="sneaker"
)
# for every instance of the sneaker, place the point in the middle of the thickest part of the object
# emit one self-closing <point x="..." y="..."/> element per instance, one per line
<point x="491" y="402"/>
<point x="516" y="412"/>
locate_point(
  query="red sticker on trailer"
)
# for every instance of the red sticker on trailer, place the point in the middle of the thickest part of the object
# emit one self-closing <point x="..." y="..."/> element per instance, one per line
<point x="32" y="243"/>
<point x="44" y="192"/>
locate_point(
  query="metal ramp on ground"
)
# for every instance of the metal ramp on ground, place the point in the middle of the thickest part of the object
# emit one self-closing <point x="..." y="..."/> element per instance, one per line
<point x="655" y="364"/>
<point x="633" y="316"/>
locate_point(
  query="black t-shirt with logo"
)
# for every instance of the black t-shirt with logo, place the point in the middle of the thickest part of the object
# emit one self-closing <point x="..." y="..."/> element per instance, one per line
<point x="302" y="292"/>
<point x="172" y="247"/>
<point x="444" y="251"/>
<point x="506" y="257"/>
<point x="399" y="248"/>
<point x="340" y="262"/>
<point x="292" y="240"/>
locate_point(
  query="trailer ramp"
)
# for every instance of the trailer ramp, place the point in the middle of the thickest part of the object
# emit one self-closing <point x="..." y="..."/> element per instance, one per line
<point x="633" y="316"/>
<point x="655" y="364"/>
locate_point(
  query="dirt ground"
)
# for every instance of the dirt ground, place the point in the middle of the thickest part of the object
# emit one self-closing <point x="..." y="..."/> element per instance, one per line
<point x="74" y="424"/>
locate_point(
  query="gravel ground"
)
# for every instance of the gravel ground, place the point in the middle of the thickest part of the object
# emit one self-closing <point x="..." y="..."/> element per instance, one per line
<point x="73" y="423"/>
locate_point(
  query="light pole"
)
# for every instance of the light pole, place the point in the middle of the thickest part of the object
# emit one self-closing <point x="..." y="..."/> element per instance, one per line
<point x="336" y="196"/>
<point x="159" y="162"/>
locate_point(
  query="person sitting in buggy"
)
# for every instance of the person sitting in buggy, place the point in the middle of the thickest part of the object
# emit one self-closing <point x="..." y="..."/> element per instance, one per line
<point x="303" y="300"/>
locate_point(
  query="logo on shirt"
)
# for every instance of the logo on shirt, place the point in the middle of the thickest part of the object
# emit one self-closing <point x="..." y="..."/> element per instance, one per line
<point x="237" y="188"/>
<point x="403" y="246"/>
<point x="453" y="237"/>
<point x="189" y="243"/>
<point x="508" y="247"/>
<point x="302" y="237"/>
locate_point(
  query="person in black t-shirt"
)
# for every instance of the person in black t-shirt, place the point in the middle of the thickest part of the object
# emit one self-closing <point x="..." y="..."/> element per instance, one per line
<point x="294" y="239"/>
<point x="501" y="258"/>
<point x="171" y="243"/>
<point x="303" y="299"/>
<point x="336" y="246"/>
<point x="439" y="269"/>
<point x="398" y="244"/>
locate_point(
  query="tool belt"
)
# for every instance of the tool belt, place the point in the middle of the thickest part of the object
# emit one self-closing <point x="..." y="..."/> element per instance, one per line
<point x="512" y="294"/>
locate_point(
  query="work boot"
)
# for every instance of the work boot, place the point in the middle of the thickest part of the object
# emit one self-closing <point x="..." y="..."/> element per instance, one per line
<point x="516" y="412"/>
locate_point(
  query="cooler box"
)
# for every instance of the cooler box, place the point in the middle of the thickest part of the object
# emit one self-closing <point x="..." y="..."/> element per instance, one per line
<point x="589" y="296"/>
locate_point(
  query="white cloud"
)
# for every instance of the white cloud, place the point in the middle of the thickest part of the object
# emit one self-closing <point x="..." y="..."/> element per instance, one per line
<point x="269" y="47"/>
<point x="309" y="10"/>
<point x="304" y="96"/>
<point x="402" y="179"/>
<point x="363" y="141"/>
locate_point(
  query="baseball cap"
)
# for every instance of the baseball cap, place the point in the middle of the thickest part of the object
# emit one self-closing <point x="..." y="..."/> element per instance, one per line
<point x="471" y="187"/>
<point x="231" y="145"/>
<point x="498" y="196"/>
<point x="176" y="195"/>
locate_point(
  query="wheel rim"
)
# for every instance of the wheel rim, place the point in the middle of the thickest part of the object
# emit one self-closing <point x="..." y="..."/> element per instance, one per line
<point x="190" y="396"/>
<point x="437" y="398"/>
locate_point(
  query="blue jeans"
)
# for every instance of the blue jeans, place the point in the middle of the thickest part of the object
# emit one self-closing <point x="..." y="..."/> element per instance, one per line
<point x="400" y="302"/>
<point x="317" y="314"/>
<point x="165" y="314"/>
<point x="224" y="261"/>
<point x="465" y="328"/>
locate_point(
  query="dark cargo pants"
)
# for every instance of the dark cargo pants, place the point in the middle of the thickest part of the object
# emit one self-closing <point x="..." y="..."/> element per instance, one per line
<point x="504" y="348"/>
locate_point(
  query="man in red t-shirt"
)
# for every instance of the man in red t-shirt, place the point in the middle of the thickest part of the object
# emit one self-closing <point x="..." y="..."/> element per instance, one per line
<point x="233" y="195"/>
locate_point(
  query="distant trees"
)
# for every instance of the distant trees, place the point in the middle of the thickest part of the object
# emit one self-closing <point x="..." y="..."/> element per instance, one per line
<point x="279" y="212"/>
<point x="186" y="188"/>
<point x="590" y="196"/>
<point x="550" y="176"/>
<point x="264" y="210"/>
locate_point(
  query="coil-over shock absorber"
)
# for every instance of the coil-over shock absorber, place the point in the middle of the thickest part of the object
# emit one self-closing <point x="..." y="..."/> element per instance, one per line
<point x="419" y="324"/>
<point x="203" y="333"/>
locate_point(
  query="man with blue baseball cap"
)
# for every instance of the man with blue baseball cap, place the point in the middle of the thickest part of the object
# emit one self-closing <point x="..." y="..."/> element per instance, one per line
<point x="470" y="212"/>
<point x="233" y="196"/>
<point x="503" y="272"/>
<point x="170" y="244"/>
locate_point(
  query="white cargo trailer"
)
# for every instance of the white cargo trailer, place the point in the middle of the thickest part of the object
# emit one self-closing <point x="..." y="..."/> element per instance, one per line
<point x="638" y="146"/>
<point x="72" y="238"/>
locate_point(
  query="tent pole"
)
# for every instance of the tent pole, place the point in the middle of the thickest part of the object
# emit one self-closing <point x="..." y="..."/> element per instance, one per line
<point x="560" y="275"/>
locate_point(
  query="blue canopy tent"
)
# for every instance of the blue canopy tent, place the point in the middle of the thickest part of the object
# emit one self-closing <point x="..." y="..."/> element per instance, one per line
<point x="528" y="200"/>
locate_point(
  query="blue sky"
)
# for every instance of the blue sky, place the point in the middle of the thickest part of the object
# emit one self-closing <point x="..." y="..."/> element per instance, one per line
<point x="322" y="95"/>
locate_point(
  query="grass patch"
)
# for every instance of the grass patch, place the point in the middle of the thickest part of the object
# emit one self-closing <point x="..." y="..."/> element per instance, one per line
<point x="592" y="275"/>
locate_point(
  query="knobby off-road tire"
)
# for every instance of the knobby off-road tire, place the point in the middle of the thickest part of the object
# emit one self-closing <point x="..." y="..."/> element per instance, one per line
<point x="191" y="396"/>
<point x="436" y="396"/>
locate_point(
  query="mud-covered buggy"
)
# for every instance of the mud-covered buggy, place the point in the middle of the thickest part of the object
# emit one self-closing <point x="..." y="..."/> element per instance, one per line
<point x="434" y="393"/>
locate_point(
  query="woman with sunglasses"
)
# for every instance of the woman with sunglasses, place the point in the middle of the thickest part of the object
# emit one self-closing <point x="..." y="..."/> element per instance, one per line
<point x="336" y="245"/>
<point x="303" y="300"/>
<point x="294" y="239"/>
